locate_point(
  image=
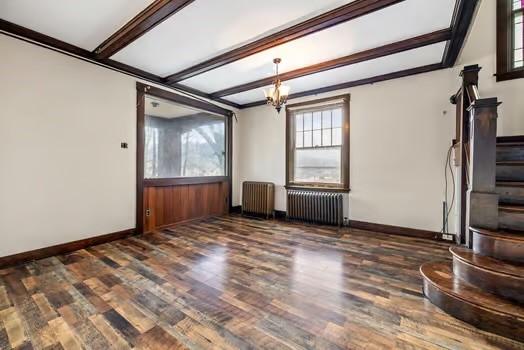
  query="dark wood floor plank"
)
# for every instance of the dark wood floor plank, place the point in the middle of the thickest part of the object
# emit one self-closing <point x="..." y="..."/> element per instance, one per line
<point x="120" y="324"/>
<point x="234" y="283"/>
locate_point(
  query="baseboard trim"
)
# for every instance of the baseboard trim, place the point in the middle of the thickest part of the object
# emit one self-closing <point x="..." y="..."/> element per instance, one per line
<point x="41" y="253"/>
<point x="370" y="226"/>
<point x="394" y="230"/>
<point x="280" y="214"/>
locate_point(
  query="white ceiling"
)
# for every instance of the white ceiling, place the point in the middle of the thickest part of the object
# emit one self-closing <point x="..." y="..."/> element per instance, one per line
<point x="387" y="64"/>
<point x="207" y="28"/>
<point x="367" y="32"/>
<point x="84" y="23"/>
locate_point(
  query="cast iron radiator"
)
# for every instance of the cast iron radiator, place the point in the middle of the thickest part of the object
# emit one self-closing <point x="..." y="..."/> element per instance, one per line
<point x="258" y="198"/>
<point x="315" y="207"/>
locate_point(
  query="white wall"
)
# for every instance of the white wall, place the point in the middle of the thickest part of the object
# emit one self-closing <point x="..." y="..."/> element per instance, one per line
<point x="398" y="143"/>
<point x="63" y="175"/>
<point x="400" y="133"/>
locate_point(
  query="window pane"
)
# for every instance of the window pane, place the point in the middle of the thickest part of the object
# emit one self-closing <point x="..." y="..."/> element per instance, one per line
<point x="337" y="136"/>
<point x="299" y="140"/>
<point x="518" y="4"/>
<point x="317" y="120"/>
<point x="308" y="138"/>
<point x="518" y="59"/>
<point x="299" y="122"/>
<point x="326" y="137"/>
<point x="182" y="142"/>
<point x="317" y="138"/>
<point x="518" y="41"/>
<point x="318" y="165"/>
<point x="308" y="121"/>
<point x="337" y="118"/>
<point x="326" y="119"/>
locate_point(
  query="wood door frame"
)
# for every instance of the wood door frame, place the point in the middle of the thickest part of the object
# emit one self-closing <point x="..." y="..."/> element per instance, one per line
<point x="142" y="91"/>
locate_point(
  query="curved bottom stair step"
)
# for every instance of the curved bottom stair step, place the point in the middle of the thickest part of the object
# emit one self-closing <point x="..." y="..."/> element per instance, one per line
<point x="495" y="276"/>
<point x="470" y="304"/>
<point x="499" y="244"/>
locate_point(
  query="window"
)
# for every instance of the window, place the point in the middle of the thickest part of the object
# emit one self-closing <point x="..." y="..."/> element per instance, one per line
<point x="182" y="142"/>
<point x="318" y="144"/>
<point x="510" y="39"/>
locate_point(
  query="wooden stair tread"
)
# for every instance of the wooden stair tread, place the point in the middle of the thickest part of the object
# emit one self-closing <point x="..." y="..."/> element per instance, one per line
<point x="517" y="237"/>
<point x="510" y="144"/>
<point x="510" y="184"/>
<point x="511" y="162"/>
<point x="512" y="208"/>
<point x="487" y="263"/>
<point x="441" y="276"/>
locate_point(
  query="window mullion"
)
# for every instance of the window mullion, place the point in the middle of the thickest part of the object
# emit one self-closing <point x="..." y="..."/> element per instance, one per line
<point x="331" y="131"/>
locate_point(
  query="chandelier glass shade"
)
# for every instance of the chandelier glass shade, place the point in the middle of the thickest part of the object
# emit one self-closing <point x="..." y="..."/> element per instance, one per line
<point x="278" y="93"/>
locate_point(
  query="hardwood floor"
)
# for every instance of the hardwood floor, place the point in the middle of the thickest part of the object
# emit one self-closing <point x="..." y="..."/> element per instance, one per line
<point x="234" y="283"/>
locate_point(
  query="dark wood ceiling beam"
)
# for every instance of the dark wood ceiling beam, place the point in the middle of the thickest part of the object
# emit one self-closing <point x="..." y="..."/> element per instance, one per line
<point x="375" y="79"/>
<point x="22" y="33"/>
<point x="329" y="19"/>
<point x="462" y="18"/>
<point x="153" y="15"/>
<point x="202" y="94"/>
<point x="389" y="49"/>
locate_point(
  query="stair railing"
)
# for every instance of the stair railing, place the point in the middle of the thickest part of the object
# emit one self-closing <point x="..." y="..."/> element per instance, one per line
<point x="480" y="155"/>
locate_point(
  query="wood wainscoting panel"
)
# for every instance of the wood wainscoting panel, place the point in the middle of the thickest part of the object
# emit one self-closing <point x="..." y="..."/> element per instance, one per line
<point x="168" y="205"/>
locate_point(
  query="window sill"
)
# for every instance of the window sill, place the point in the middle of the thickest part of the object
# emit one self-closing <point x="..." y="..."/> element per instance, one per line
<point x="184" y="181"/>
<point x="318" y="189"/>
<point x="514" y="74"/>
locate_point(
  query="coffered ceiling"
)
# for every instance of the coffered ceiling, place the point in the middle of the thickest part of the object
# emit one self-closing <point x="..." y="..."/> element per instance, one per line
<point x="223" y="50"/>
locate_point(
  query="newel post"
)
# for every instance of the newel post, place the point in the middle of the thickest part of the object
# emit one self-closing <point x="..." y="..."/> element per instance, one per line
<point x="482" y="196"/>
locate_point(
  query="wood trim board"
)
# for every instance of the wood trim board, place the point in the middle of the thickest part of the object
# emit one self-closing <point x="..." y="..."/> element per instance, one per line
<point x="323" y="21"/>
<point x="377" y="52"/>
<point x="184" y="181"/>
<point x="370" y="226"/>
<point x="375" y="79"/>
<point x="504" y="43"/>
<point x="63" y="248"/>
<point x="156" y="13"/>
<point x="47" y="42"/>
<point x="394" y="230"/>
<point x="461" y="22"/>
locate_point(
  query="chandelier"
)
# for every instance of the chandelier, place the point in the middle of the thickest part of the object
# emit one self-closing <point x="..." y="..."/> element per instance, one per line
<point x="277" y="94"/>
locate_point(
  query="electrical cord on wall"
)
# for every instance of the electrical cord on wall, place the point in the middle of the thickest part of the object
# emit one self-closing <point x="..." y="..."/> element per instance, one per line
<point x="447" y="166"/>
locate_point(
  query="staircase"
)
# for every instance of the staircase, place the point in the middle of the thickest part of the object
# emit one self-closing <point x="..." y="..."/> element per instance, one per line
<point x="484" y="283"/>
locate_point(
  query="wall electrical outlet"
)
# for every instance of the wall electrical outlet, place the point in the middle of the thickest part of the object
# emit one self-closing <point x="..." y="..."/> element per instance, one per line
<point x="447" y="237"/>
